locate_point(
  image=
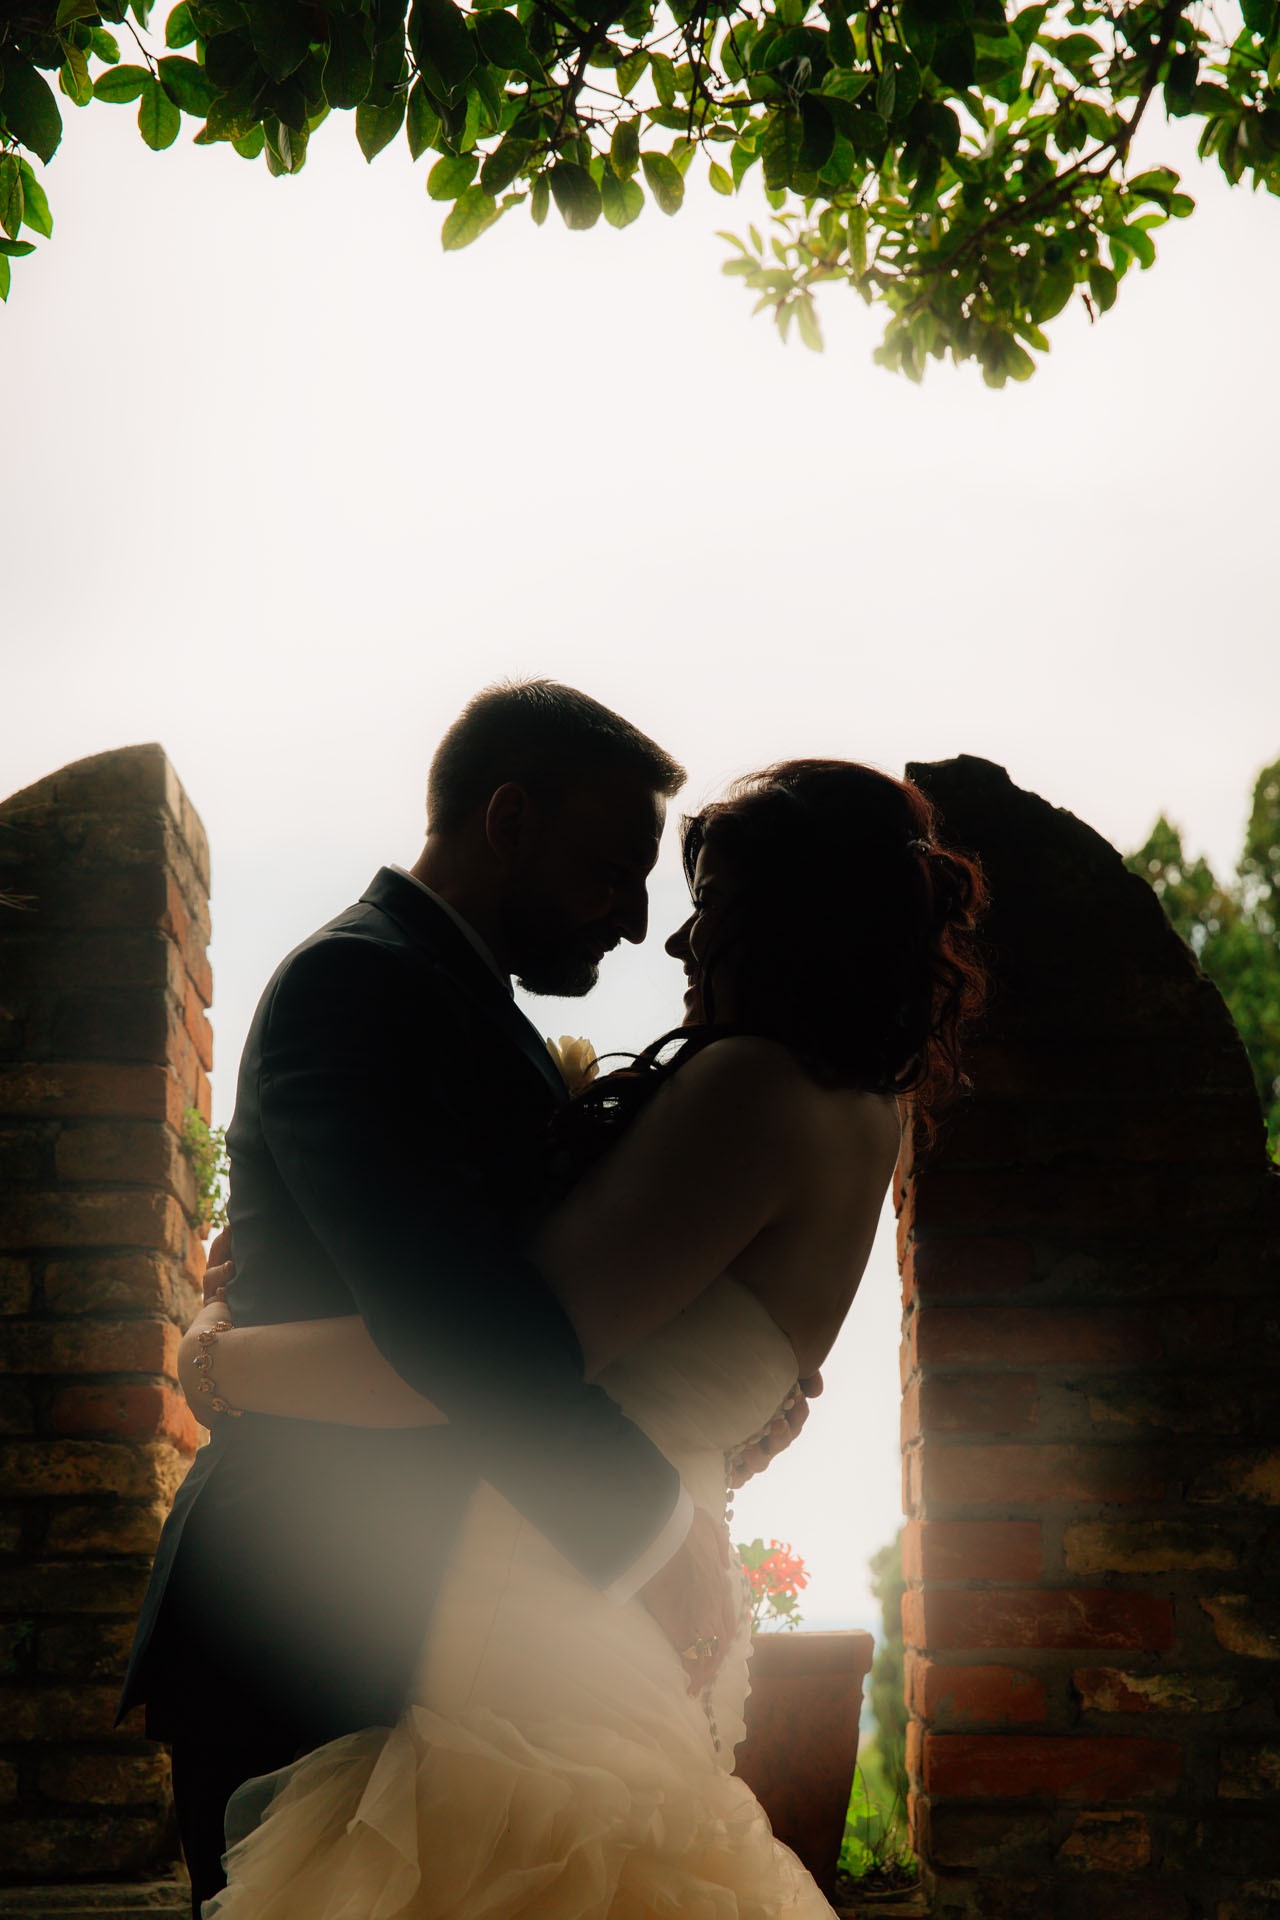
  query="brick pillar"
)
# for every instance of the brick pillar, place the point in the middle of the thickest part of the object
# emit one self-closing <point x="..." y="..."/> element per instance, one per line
<point x="103" y="1045"/>
<point x="1091" y="1415"/>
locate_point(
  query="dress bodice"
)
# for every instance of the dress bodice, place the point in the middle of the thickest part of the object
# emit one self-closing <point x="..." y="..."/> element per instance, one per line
<point x="709" y="1380"/>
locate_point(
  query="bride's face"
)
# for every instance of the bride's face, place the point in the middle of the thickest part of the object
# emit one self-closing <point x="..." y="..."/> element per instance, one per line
<point x="695" y="943"/>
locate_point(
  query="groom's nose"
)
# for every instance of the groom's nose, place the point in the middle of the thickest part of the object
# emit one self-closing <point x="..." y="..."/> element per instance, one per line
<point x="631" y="911"/>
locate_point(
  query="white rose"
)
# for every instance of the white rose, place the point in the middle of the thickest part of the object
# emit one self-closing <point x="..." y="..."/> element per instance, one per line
<point x="576" y="1059"/>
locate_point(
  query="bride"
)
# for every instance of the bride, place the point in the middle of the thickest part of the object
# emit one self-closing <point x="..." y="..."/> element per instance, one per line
<point x="720" y="1197"/>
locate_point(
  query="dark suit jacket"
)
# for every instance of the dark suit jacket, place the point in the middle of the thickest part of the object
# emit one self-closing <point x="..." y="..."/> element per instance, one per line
<point x="386" y="1153"/>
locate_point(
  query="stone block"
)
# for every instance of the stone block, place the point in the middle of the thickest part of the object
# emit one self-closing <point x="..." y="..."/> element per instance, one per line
<point x="1245" y="1623"/>
<point x="61" y="1468"/>
<point x="1252" y="1478"/>
<point x="1250" y="1771"/>
<point x="15" y="1285"/>
<point x="85" y="1649"/>
<point x="41" y="1588"/>
<point x="957" y="1619"/>
<point x="1148" y="1546"/>
<point x="1110" y="1842"/>
<point x="105" y="1526"/>
<point x="106" y="1780"/>
<point x="1006" y="1766"/>
<point x="42" y="1849"/>
<point x="53" y="1713"/>
<point x="1108" y="1690"/>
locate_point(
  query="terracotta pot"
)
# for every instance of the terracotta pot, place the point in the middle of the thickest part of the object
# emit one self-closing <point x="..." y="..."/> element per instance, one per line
<point x="802" y="1738"/>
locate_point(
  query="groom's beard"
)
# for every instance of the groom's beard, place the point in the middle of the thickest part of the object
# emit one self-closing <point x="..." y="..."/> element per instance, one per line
<point x="565" y="977"/>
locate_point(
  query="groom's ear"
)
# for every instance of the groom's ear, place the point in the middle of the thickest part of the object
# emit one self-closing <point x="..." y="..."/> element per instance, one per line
<point x="509" y="822"/>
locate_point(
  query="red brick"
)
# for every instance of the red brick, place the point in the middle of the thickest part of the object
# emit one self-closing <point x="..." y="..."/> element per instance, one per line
<point x="191" y="933"/>
<point x="15" y="1285"/>
<point x="114" y="1025"/>
<point x="961" y="1697"/>
<point x="1111" y="1842"/>
<point x="90" y="1346"/>
<point x="974" y="1403"/>
<point x="197" y="1025"/>
<point x="1096" y="1068"/>
<point x="1245" y="1623"/>
<point x="52" y="1586"/>
<point x="105" y="1526"/>
<point x="1019" y="1475"/>
<point x="63" y="1090"/>
<point x="109" y="1843"/>
<point x="57" y="1713"/>
<point x="942" y="1619"/>
<point x="937" y="1550"/>
<point x="943" y="1268"/>
<point x="96" y="1217"/>
<point x="110" y="1284"/>
<point x="1029" y="1336"/>
<point x="1146" y="1546"/>
<point x="127" y="1413"/>
<point x="127" y="1153"/>
<point x="1113" y="1200"/>
<point x="1250" y="1771"/>
<point x="1252" y="1477"/>
<point x="132" y="1471"/>
<point x="962" y="1836"/>
<point x="968" y="1766"/>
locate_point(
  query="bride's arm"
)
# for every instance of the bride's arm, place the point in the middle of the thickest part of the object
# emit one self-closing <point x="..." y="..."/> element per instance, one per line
<point x="712" y="1162"/>
<point x="303" y="1370"/>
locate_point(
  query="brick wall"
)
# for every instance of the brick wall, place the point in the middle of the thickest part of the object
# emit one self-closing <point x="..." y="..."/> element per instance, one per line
<point x="1091" y="1415"/>
<point x="104" y="1043"/>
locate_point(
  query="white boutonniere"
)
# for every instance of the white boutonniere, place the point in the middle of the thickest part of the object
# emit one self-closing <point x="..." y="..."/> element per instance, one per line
<point x="576" y="1059"/>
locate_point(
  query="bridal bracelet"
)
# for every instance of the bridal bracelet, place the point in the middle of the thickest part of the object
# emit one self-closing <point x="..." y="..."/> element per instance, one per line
<point x="203" y="1364"/>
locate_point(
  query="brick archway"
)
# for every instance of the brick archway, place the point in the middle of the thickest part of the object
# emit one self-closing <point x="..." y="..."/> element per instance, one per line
<point x="1090" y="1254"/>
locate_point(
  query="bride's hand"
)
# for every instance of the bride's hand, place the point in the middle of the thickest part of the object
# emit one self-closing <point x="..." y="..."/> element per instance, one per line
<point x="190" y="1379"/>
<point x="220" y="1266"/>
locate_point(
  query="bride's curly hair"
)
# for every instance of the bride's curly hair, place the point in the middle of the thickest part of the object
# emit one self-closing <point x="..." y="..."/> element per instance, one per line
<point x="849" y="925"/>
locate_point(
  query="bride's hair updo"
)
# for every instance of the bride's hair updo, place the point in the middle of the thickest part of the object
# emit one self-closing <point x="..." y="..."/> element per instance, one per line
<point x="846" y="930"/>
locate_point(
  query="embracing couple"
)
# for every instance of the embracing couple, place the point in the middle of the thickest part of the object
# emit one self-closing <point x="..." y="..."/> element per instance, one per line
<point x="445" y="1624"/>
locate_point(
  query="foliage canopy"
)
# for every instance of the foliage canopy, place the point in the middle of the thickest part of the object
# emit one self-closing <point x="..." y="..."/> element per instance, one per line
<point x="963" y="163"/>
<point x="1233" y="928"/>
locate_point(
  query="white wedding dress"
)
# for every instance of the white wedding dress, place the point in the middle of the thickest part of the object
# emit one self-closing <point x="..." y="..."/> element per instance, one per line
<point x="554" y="1766"/>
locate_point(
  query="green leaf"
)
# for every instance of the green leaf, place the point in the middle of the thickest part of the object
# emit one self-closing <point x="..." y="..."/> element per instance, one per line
<point x="179" y="28"/>
<point x="623" y="199"/>
<point x="16" y="249"/>
<point x="30" y="110"/>
<point x="35" y="212"/>
<point x="104" y="46"/>
<point x="811" y="334"/>
<point x="628" y="71"/>
<point x="624" y="148"/>
<point x="886" y="90"/>
<point x="11" y="194"/>
<point x="720" y="179"/>
<point x="451" y="175"/>
<point x="250" y="145"/>
<point x="665" y="180"/>
<point x="441" y="44"/>
<point x="377" y="127"/>
<point x="576" y="195"/>
<point x="187" y="84"/>
<point x="69" y="11"/>
<point x="505" y="162"/>
<point x="504" y="44"/>
<point x="421" y="121"/>
<point x="4" y="278"/>
<point x="664" y="78"/>
<point x="466" y="221"/>
<point x="348" y="67"/>
<point x="159" y="121"/>
<point x="73" y="77"/>
<point x="1102" y="285"/>
<point x="539" y="200"/>
<point x="818" y="135"/>
<point x="281" y="35"/>
<point x="780" y="148"/>
<point x="858" y="240"/>
<point x="121" y="84"/>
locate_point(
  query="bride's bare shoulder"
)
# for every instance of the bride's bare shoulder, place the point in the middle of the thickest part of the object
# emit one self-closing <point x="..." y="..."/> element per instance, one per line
<point x="746" y="1073"/>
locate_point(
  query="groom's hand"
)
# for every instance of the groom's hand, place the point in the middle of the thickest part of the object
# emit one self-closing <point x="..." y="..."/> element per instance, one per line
<point x="784" y="1430"/>
<point x="219" y="1266"/>
<point x="692" y="1599"/>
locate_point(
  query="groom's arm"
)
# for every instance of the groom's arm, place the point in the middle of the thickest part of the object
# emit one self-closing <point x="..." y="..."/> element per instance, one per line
<point x="362" y="1130"/>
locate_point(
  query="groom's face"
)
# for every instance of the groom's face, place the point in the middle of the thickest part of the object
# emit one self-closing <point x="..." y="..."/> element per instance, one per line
<point x="579" y="885"/>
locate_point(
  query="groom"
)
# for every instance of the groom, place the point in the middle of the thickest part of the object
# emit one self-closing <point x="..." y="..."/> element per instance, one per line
<point x="386" y="1155"/>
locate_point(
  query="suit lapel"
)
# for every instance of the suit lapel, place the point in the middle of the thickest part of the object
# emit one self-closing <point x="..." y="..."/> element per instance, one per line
<point x="446" y="949"/>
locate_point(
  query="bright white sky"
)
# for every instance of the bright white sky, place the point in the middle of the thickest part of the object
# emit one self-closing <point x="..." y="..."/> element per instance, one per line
<point x="282" y="485"/>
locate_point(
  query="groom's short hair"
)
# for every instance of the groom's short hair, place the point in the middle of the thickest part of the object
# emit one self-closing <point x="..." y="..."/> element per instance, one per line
<point x="542" y="735"/>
